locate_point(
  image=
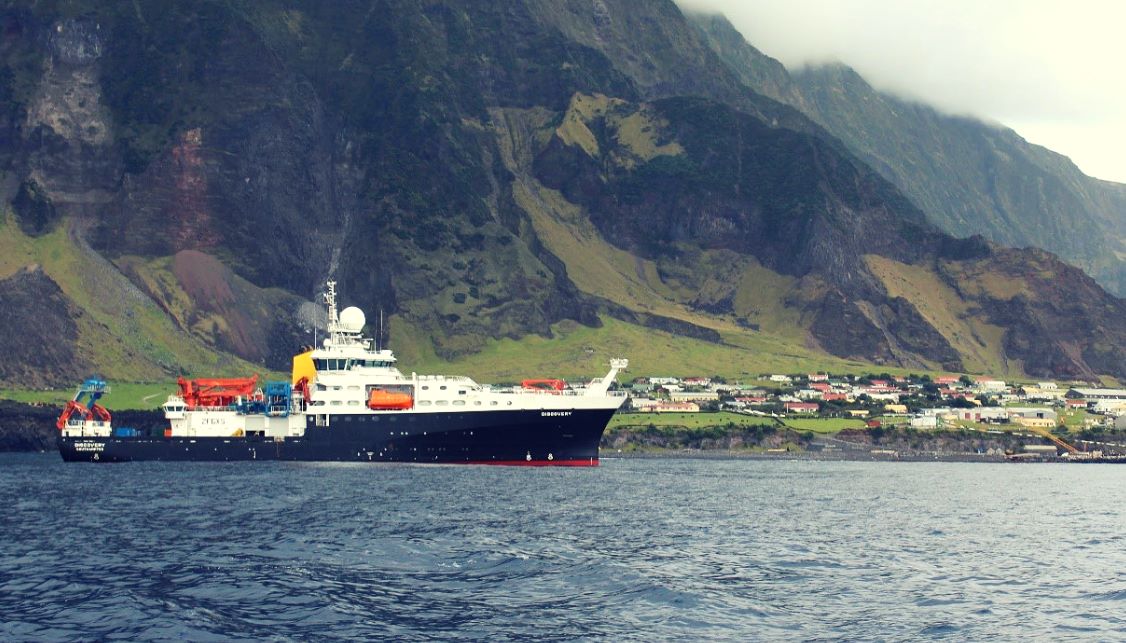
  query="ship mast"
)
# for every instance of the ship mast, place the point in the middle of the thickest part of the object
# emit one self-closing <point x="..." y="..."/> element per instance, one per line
<point x="334" y="333"/>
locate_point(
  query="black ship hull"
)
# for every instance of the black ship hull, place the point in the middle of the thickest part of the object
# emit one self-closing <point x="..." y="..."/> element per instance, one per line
<point x="536" y="438"/>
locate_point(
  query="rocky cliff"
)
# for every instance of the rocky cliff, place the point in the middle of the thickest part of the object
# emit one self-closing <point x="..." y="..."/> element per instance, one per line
<point x="476" y="172"/>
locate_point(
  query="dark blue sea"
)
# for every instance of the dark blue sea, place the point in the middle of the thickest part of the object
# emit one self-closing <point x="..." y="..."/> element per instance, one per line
<point x="633" y="550"/>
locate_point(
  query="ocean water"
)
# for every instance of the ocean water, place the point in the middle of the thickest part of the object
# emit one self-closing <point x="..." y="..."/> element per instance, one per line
<point x="633" y="550"/>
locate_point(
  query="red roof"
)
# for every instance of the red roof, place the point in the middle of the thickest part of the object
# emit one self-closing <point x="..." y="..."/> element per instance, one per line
<point x="750" y="400"/>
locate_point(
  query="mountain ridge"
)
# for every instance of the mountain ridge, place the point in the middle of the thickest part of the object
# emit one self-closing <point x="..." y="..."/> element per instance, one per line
<point x="483" y="175"/>
<point x="971" y="177"/>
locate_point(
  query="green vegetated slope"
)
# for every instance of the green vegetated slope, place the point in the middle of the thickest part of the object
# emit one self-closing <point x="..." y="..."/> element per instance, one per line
<point x="54" y="283"/>
<point x="122" y="395"/>
<point x="581" y="353"/>
<point x="520" y="188"/>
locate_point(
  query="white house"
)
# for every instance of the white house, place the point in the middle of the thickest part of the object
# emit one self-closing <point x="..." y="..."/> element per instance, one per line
<point x="693" y="396"/>
<point x="924" y="422"/>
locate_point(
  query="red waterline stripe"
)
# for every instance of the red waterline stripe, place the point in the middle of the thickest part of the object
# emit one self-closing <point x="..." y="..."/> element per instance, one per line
<point x="589" y="462"/>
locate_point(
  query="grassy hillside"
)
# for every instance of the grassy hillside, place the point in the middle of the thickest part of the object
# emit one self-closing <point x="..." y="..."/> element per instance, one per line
<point x="122" y="395"/>
<point x="579" y="352"/>
<point x="977" y="341"/>
<point x="121" y="332"/>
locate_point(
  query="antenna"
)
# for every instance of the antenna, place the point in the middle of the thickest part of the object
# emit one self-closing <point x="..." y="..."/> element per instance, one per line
<point x="379" y="338"/>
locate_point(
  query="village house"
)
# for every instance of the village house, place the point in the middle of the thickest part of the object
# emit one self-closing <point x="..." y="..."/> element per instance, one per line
<point x="643" y="404"/>
<point x="693" y="396"/>
<point x="990" y="385"/>
<point x="752" y="400"/>
<point x="924" y="422"/>
<point x="983" y="414"/>
<point x="1040" y="394"/>
<point x="802" y="407"/>
<point x="1090" y="394"/>
<point x="781" y="379"/>
<point x="886" y="396"/>
<point x="1040" y="423"/>
<point x="1033" y="414"/>
<point x="1113" y="408"/>
<point x="677" y="407"/>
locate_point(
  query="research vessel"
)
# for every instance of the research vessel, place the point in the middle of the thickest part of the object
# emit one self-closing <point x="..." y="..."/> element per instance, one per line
<point x="347" y="401"/>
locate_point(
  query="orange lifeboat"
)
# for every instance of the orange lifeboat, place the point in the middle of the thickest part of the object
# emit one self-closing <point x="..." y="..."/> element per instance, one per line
<point x="381" y="400"/>
<point x="547" y="385"/>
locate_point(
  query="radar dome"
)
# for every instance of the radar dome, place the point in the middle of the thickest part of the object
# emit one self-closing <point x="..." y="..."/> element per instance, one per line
<point x="352" y="319"/>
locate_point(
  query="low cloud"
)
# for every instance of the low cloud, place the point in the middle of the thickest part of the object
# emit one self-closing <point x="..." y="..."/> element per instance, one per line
<point x="1049" y="70"/>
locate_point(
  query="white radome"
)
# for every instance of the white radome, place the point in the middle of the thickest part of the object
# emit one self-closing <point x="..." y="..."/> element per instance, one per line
<point x="352" y="319"/>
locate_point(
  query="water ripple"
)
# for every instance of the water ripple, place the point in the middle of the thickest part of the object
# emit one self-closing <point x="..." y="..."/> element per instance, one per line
<point x="634" y="550"/>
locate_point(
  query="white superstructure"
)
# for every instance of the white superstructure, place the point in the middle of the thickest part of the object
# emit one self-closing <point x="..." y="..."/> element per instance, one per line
<point x="347" y="375"/>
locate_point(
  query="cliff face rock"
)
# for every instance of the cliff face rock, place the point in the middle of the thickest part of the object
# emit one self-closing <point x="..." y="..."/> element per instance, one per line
<point x="474" y="171"/>
<point x="1058" y="320"/>
<point x="38" y="342"/>
<point x="66" y="150"/>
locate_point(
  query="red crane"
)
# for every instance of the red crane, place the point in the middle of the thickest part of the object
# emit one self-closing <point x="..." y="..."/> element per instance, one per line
<point x="549" y="385"/>
<point x="216" y="392"/>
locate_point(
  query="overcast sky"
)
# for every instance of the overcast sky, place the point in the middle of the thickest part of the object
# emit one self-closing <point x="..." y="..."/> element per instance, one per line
<point x="1050" y="69"/>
